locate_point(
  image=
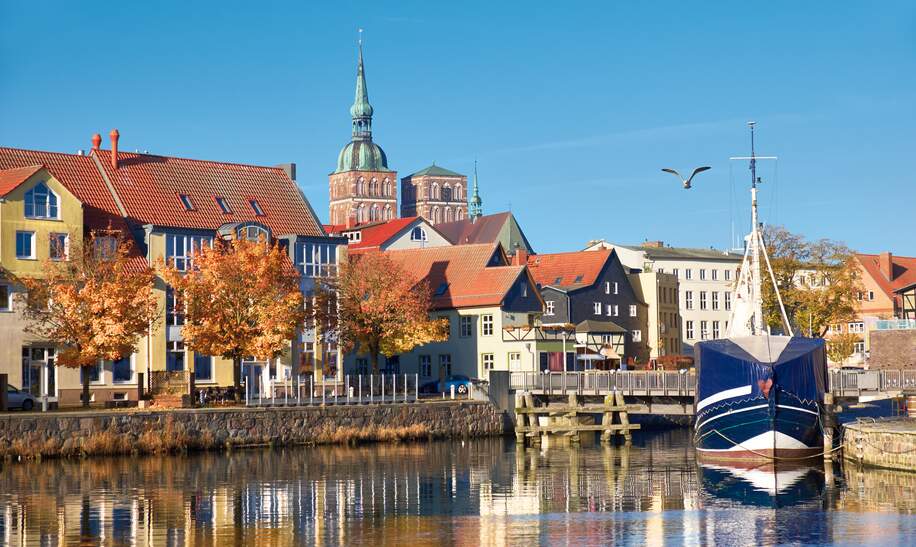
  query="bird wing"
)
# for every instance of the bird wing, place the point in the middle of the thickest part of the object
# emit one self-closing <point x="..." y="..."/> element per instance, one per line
<point x="673" y="172"/>
<point x="698" y="170"/>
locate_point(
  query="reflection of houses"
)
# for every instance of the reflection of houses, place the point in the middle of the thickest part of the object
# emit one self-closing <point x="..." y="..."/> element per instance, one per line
<point x="170" y="207"/>
<point x="481" y="294"/>
<point x="592" y="291"/>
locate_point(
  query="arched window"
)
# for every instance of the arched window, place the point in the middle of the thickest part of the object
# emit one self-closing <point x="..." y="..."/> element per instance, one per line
<point x="448" y="214"/>
<point x="388" y="212"/>
<point x="436" y="217"/>
<point x="41" y="202"/>
<point x="373" y="213"/>
<point x="359" y="186"/>
<point x="418" y="234"/>
<point x="446" y="192"/>
<point x="459" y="214"/>
<point x="361" y="213"/>
<point x="253" y="232"/>
<point x="434" y="191"/>
<point x="458" y="192"/>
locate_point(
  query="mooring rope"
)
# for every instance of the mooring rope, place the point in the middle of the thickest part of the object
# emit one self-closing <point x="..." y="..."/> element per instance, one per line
<point x="775" y="458"/>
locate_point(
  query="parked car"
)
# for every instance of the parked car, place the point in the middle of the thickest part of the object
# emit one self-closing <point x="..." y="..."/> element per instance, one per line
<point x="19" y="399"/>
<point x="462" y="385"/>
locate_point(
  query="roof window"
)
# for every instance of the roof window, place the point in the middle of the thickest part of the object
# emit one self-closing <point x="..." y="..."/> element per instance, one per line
<point x="256" y="207"/>
<point x="558" y="280"/>
<point x="578" y="279"/>
<point x="186" y="201"/>
<point x="223" y="204"/>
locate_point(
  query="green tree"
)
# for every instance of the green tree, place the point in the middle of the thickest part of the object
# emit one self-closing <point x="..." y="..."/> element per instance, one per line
<point x="841" y="346"/>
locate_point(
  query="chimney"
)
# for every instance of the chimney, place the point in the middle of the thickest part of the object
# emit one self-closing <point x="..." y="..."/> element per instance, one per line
<point x="521" y="257"/>
<point x="886" y="265"/>
<point x="96" y="141"/>
<point x="290" y="169"/>
<point x="654" y="244"/>
<point x="114" y="148"/>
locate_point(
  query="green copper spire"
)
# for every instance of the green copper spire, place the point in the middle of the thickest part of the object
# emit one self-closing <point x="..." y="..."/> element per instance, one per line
<point x="475" y="204"/>
<point x="361" y="111"/>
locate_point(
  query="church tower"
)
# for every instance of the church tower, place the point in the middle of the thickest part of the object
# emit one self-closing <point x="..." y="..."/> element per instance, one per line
<point x="362" y="188"/>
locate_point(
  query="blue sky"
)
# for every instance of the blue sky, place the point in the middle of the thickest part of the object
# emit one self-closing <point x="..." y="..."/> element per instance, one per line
<point x="571" y="108"/>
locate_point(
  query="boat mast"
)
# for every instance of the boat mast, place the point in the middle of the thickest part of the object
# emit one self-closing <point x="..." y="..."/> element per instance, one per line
<point x="756" y="243"/>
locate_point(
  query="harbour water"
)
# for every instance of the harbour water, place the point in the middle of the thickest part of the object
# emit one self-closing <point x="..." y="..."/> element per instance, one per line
<point x="476" y="492"/>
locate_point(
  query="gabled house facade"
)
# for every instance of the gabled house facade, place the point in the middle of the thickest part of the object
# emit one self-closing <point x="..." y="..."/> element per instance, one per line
<point x="391" y="235"/>
<point x="502" y="228"/>
<point x="481" y="294"/>
<point x="592" y="292"/>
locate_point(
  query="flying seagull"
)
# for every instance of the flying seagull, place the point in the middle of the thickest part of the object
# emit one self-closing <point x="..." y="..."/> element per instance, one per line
<point x="690" y="178"/>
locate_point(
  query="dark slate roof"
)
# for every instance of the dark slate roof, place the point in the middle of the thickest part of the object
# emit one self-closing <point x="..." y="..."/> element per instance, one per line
<point x="436" y="171"/>
<point x="485" y="229"/>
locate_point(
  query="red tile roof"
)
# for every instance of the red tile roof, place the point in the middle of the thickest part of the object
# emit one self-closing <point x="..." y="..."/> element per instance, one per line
<point x="485" y="229"/>
<point x="149" y="187"/>
<point x="568" y="270"/>
<point x="376" y="234"/>
<point x="462" y="270"/>
<point x="11" y="178"/>
<point x="904" y="268"/>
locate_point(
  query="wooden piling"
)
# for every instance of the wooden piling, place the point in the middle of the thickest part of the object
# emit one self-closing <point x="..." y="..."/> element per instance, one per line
<point x="624" y="417"/>
<point x="828" y="424"/>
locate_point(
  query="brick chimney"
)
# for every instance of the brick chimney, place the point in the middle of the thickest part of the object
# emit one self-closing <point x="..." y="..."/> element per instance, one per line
<point x="96" y="141"/>
<point x="521" y="257"/>
<point x="886" y="265"/>
<point x="114" y="148"/>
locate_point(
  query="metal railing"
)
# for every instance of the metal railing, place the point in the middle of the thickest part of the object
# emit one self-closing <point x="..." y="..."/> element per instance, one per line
<point x="895" y="324"/>
<point x="843" y="383"/>
<point x="351" y="389"/>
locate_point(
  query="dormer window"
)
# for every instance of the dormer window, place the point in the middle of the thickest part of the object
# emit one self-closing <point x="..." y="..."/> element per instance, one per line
<point x="558" y="280"/>
<point x="578" y="279"/>
<point x="41" y="202"/>
<point x="253" y="232"/>
<point x="256" y="207"/>
<point x="223" y="205"/>
<point x="418" y="234"/>
<point x="186" y="201"/>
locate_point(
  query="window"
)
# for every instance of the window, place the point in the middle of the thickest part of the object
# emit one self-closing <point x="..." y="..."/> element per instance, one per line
<point x="836" y="328"/>
<point x="688" y="274"/>
<point x="858" y="347"/>
<point x="610" y="310"/>
<point x="252" y="232"/>
<point x="728" y="275"/>
<point x="616" y="310"/>
<point x="715" y="299"/>
<point x="676" y="272"/>
<point x="59" y="248"/>
<point x="702" y="300"/>
<point x="524" y="290"/>
<point x="689" y="330"/>
<point x="180" y="249"/>
<point x="94" y="373"/>
<point x="121" y="370"/>
<point x="256" y="207"/>
<point x="25" y="244"/>
<point x="466" y="326"/>
<point x="632" y="310"/>
<point x="578" y="279"/>
<point x="688" y="300"/>
<point x="715" y="329"/>
<point x="186" y="201"/>
<point x="871" y="295"/>
<point x="41" y="202"/>
<point x="445" y="362"/>
<point x="362" y="365"/>
<point x="173" y="317"/>
<point x="607" y="287"/>
<point x="615" y="287"/>
<point x="558" y="280"/>
<point x="549" y="310"/>
<point x="203" y="367"/>
<point x="596" y="306"/>
<point x="5" y="299"/>
<point x="223" y="204"/>
<point x="486" y="324"/>
<point x="418" y="234"/>
<point x="702" y="274"/>
<point x="660" y="270"/>
<point x="174" y="356"/>
<point x="515" y="360"/>
<point x="728" y="300"/>
<point x="714" y="273"/>
<point x="426" y="366"/>
<point x="857" y="327"/>
<point x="105" y="246"/>
<point x="703" y="333"/>
<point x="317" y="259"/>
<point x="637" y="335"/>
<point x="486" y="359"/>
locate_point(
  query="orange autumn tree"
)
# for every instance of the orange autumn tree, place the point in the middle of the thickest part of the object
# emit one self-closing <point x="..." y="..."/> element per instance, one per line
<point x="240" y="299"/>
<point x="95" y="305"/>
<point x="373" y="306"/>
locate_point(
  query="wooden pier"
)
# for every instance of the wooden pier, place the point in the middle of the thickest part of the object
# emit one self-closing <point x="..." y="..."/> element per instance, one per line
<point x="566" y="418"/>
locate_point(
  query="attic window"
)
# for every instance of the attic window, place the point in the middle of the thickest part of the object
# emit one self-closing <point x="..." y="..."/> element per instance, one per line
<point x="256" y="207"/>
<point x="442" y="288"/>
<point x="558" y="280"/>
<point x="186" y="201"/>
<point x="578" y="279"/>
<point x="223" y="204"/>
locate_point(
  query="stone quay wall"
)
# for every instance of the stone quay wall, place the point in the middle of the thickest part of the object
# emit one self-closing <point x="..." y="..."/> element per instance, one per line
<point x="126" y="431"/>
<point x="885" y="443"/>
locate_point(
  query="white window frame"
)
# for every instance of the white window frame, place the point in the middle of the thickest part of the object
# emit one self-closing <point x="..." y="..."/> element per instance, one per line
<point x="51" y="239"/>
<point x="486" y="324"/>
<point x="715" y="330"/>
<point x="702" y="300"/>
<point x="856" y="327"/>
<point x="689" y="329"/>
<point x="596" y="308"/>
<point x="465" y="326"/>
<point x="703" y="330"/>
<point x="633" y="310"/>
<point x="728" y="275"/>
<point x="31" y="255"/>
<point x="728" y="300"/>
<point x="688" y="300"/>
<point x="688" y="273"/>
<point x="548" y="307"/>
<point x="616" y="288"/>
<point x="515" y="360"/>
<point x="47" y="204"/>
<point x="616" y="310"/>
<point x="637" y="335"/>
<point x="702" y="274"/>
<point x="487" y="360"/>
<point x="715" y="299"/>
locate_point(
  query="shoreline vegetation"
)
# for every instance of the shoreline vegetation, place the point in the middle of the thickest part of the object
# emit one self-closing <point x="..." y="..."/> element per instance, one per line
<point x="172" y="439"/>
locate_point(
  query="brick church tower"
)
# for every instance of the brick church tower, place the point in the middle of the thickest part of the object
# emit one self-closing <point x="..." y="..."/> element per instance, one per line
<point x="363" y="189"/>
<point x="436" y="194"/>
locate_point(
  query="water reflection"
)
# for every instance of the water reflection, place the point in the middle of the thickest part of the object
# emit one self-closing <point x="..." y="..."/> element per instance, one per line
<point x="474" y="492"/>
